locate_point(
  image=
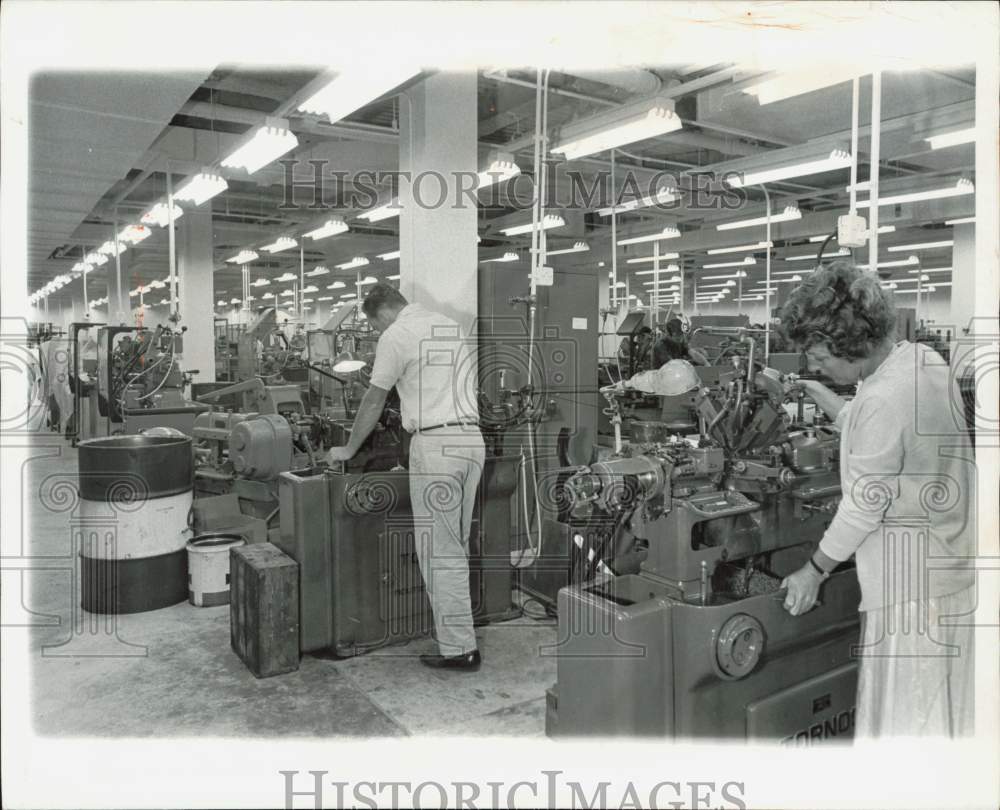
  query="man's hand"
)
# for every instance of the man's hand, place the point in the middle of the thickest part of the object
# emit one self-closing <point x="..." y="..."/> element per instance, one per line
<point x="339" y="454"/>
<point x="803" y="588"/>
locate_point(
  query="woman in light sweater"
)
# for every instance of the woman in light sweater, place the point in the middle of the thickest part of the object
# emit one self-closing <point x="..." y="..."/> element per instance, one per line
<point x="908" y="491"/>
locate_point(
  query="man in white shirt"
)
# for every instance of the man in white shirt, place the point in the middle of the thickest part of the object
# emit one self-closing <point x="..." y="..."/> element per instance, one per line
<point x="424" y="355"/>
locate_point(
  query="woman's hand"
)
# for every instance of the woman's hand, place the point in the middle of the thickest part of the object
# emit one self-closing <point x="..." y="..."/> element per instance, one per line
<point x="339" y="454"/>
<point x="803" y="588"/>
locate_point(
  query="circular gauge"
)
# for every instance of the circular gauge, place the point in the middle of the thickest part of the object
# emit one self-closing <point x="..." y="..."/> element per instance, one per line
<point x="739" y="645"/>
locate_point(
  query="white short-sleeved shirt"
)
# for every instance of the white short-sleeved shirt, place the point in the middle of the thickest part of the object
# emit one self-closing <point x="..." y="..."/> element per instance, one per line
<point x="426" y="357"/>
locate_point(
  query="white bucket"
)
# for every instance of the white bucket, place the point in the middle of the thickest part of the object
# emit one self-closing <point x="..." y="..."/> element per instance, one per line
<point x="208" y="568"/>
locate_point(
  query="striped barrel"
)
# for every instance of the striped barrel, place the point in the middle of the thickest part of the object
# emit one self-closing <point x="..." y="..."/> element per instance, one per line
<point x="144" y="486"/>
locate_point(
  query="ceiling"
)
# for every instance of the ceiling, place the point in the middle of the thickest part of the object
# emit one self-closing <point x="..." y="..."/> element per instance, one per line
<point x="101" y="145"/>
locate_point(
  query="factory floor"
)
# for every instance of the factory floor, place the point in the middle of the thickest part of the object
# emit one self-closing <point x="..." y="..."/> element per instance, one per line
<point x="172" y="672"/>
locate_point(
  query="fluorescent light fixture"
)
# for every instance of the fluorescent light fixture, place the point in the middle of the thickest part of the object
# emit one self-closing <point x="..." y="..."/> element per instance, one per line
<point x="96" y="259"/>
<point x="548" y="221"/>
<point x="961" y="221"/>
<point x="791" y="212"/>
<point x="740" y="274"/>
<point x="325" y="298"/>
<point x="356" y="87"/>
<point x="963" y="186"/>
<point x="235" y="301"/>
<point x="357" y="261"/>
<point x="393" y="278"/>
<point x="287" y="293"/>
<point x="388" y="257"/>
<point x="750" y="298"/>
<point x="578" y="247"/>
<point x="836" y="159"/>
<point x="266" y="143"/>
<point x="157" y="285"/>
<point x="261" y="282"/>
<point x="881" y="229"/>
<point x="646" y="259"/>
<point x="337" y="285"/>
<point x="368" y="280"/>
<point x="922" y="246"/>
<point x="388" y="211"/>
<point x="81" y="267"/>
<point x="286" y="277"/>
<point x="740" y="248"/>
<point x="794" y="278"/>
<point x="318" y="270"/>
<point x="812" y="256"/>
<point x="931" y="270"/>
<point x="618" y="127"/>
<point x="108" y="248"/>
<point x="509" y="256"/>
<point x="134" y="234"/>
<point x="952" y="138"/>
<point x="307" y="300"/>
<point x="895" y="263"/>
<point x="670" y="232"/>
<point x="243" y="257"/>
<point x="331" y="227"/>
<point x="220" y="303"/>
<point x="348" y="296"/>
<point x="310" y="289"/>
<point x="280" y="244"/>
<point x="268" y="295"/>
<point x="670" y="268"/>
<point x="159" y="215"/>
<point x="795" y="83"/>
<point x="729" y="283"/>
<point x="749" y="261"/>
<point x="663" y="196"/>
<point x="789" y="272"/>
<point x="203" y="186"/>
<point x="500" y="169"/>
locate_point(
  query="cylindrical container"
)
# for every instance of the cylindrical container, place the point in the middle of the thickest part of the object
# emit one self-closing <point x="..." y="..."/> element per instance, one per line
<point x="208" y="568"/>
<point x="135" y="501"/>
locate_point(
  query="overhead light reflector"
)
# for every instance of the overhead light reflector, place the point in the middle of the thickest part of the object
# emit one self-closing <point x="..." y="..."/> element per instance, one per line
<point x="922" y="246"/>
<point x="331" y="227"/>
<point x="791" y="212"/>
<point x="243" y="257"/>
<point x="357" y="261"/>
<point x="741" y="248"/>
<point x="548" y="221"/>
<point x="578" y="247"/>
<point x="836" y="159"/>
<point x="670" y="232"/>
<point x="280" y="244"/>
<point x="619" y="127"/>
<point x="357" y="87"/>
<point x="952" y="138"/>
<point x="267" y="143"/>
<point x="201" y="187"/>
<point x="159" y="215"/>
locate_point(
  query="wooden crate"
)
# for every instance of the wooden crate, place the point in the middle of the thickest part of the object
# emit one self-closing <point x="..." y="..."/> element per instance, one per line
<point x="264" y="609"/>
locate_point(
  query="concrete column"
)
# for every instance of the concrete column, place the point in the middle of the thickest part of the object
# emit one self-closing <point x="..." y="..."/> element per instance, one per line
<point x="194" y="270"/>
<point x="963" y="277"/>
<point x="437" y="226"/>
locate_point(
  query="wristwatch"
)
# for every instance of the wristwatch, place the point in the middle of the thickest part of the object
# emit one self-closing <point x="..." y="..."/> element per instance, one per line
<point x="819" y="568"/>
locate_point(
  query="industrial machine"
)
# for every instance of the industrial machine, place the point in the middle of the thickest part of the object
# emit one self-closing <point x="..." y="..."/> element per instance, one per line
<point x="141" y="381"/>
<point x="674" y="625"/>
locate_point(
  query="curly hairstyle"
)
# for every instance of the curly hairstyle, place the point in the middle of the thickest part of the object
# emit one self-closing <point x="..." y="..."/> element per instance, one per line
<point x="842" y="307"/>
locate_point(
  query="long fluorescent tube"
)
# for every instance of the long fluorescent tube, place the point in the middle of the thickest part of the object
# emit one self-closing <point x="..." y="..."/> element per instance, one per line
<point x="670" y="232"/>
<point x="286" y="277"/>
<point x="243" y="257"/>
<point x="331" y="227"/>
<point x="670" y="268"/>
<point x="749" y="261"/>
<point x="790" y="213"/>
<point x="619" y="127"/>
<point x="952" y="138"/>
<point x="740" y="274"/>
<point x="803" y="271"/>
<point x="368" y="280"/>
<point x="931" y="270"/>
<point x="134" y="234"/>
<point x="357" y="261"/>
<point x="837" y="159"/>
<point x="203" y="186"/>
<point x="895" y="263"/>
<point x="962" y="221"/>
<point x="325" y="298"/>
<point x="578" y="247"/>
<point x="509" y="256"/>
<point x="319" y="270"/>
<point x="740" y="248"/>
<point x="261" y="282"/>
<point x="548" y="221"/>
<point x="108" y="248"/>
<point x="797" y="82"/>
<point x="963" y="186"/>
<point x="349" y="295"/>
<point x="499" y="170"/>
<point x="647" y="259"/>
<point x="795" y="278"/>
<point x="280" y="244"/>
<point x="388" y="257"/>
<point x="922" y="246"/>
<point x="310" y="289"/>
<point x="388" y="211"/>
<point x="356" y="87"/>
<point x="337" y="285"/>
<point x="267" y="143"/>
<point x="663" y="196"/>
<point x="287" y="293"/>
<point x="235" y="301"/>
<point x="393" y="278"/>
<point x="159" y="215"/>
<point x="812" y="256"/>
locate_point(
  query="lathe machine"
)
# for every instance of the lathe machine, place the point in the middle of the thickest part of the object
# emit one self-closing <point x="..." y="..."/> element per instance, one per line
<point x="675" y="626"/>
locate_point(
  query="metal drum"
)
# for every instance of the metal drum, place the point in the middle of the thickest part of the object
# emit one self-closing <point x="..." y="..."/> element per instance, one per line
<point x="139" y="491"/>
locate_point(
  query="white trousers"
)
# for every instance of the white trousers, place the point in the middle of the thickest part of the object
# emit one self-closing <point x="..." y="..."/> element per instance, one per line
<point x="444" y="475"/>
<point x="917" y="673"/>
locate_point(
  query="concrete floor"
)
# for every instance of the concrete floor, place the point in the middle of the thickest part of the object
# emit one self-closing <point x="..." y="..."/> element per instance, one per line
<point x="172" y="672"/>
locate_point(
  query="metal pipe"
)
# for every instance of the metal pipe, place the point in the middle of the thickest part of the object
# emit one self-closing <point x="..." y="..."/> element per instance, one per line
<point x="767" y="282"/>
<point x="855" y="90"/>
<point x="118" y="274"/>
<point x="174" y="304"/>
<point x="876" y="127"/>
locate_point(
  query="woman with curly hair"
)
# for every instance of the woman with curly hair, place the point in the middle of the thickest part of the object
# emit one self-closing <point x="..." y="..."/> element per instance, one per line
<point x="907" y="479"/>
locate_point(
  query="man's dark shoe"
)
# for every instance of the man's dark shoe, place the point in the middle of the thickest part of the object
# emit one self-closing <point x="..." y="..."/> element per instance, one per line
<point x="469" y="661"/>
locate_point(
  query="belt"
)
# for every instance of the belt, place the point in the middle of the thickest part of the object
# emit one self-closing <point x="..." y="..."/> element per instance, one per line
<point x="447" y="424"/>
